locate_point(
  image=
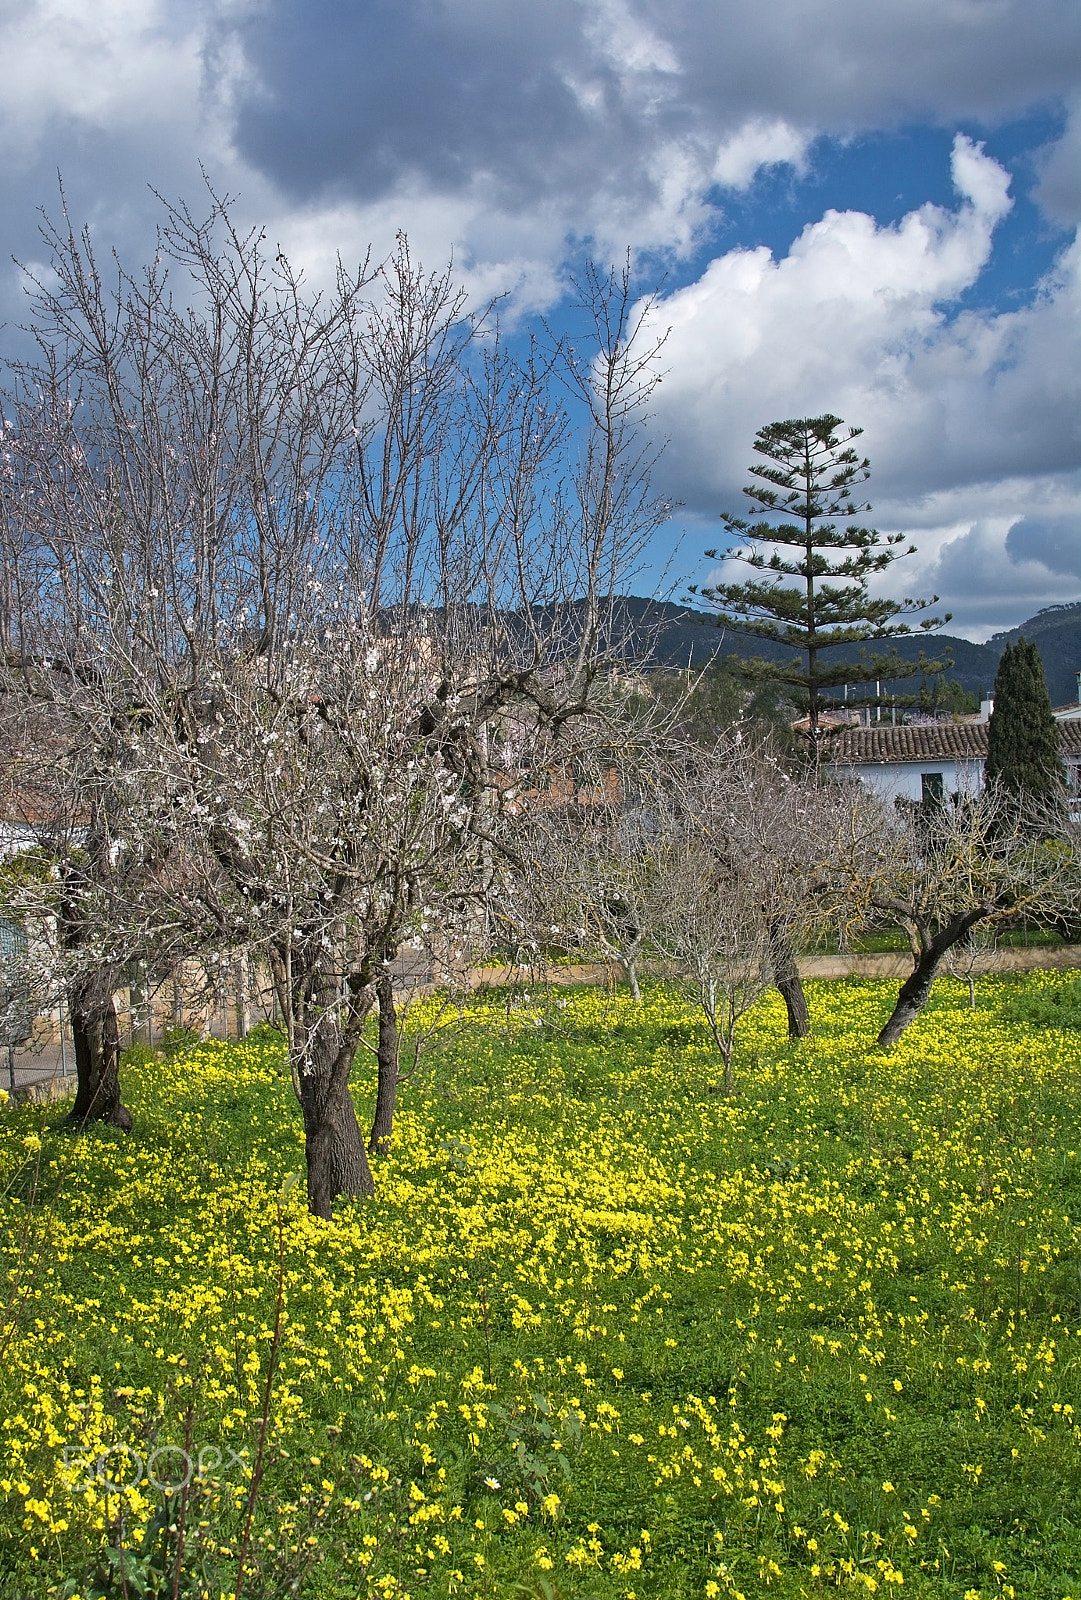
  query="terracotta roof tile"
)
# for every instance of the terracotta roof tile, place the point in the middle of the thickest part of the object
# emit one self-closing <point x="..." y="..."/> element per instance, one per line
<point x="884" y="744"/>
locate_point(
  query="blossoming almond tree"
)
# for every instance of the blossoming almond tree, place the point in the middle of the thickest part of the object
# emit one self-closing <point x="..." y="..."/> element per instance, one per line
<point x="304" y="554"/>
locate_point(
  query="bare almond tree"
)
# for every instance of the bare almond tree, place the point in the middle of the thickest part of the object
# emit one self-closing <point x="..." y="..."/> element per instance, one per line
<point x="744" y="858"/>
<point x="320" y="571"/>
<point x="585" y="873"/>
<point x="971" y="957"/>
<point x="714" y="937"/>
<point x="712" y="864"/>
<point x="598" y="846"/>
<point x="942" y="872"/>
<point x="779" y="818"/>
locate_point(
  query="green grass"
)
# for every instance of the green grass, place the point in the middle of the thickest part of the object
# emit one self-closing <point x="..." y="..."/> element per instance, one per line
<point x="1057" y="1006"/>
<point x="602" y="1332"/>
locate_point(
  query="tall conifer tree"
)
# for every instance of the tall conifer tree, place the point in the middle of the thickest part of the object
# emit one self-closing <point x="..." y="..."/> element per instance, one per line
<point x="803" y="500"/>
<point x="1024" y="760"/>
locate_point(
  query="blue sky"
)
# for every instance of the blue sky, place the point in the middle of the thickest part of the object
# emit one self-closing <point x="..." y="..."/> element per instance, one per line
<point x="865" y="209"/>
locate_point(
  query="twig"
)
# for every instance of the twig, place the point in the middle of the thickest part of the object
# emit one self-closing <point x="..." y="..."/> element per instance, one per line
<point x="182" y="1520"/>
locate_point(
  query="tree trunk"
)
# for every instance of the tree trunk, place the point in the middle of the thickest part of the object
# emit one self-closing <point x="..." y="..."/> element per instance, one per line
<point x="914" y="995"/>
<point x="630" y="968"/>
<point x="243" y="1011"/>
<point x="729" y="1072"/>
<point x="96" y="1037"/>
<point x="789" y="983"/>
<point x="334" y="1144"/>
<point x="916" y="989"/>
<point x="387" y="1092"/>
<point x="723" y="1032"/>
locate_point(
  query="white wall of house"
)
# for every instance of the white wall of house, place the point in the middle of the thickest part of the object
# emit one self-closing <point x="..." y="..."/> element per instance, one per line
<point x="15" y="836"/>
<point x="904" y="780"/>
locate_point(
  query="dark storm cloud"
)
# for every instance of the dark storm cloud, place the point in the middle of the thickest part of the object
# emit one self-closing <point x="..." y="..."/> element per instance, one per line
<point x="571" y="99"/>
<point x="1054" y="541"/>
<point x="366" y="96"/>
<point x="849" y="64"/>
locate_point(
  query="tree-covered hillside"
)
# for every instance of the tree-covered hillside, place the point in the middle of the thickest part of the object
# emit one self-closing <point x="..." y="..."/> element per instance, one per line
<point x="686" y="637"/>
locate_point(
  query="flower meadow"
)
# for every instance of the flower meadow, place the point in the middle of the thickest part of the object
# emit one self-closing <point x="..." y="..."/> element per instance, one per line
<point x="603" y="1331"/>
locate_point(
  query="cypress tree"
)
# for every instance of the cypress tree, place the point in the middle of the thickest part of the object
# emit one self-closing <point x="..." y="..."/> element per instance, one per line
<point x="1024" y="760"/>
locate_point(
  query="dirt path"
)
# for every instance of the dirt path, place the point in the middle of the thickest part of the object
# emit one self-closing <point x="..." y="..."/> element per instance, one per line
<point x="898" y="963"/>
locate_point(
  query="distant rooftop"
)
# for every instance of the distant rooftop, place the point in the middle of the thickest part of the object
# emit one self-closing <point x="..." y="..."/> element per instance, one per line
<point x="883" y="744"/>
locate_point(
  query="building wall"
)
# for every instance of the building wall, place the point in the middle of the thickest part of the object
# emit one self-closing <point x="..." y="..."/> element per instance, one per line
<point x="903" y="780"/>
<point x="15" y="836"/>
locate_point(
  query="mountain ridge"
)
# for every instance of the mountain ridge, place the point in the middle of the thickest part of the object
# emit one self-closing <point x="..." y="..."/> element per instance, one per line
<point x="687" y="638"/>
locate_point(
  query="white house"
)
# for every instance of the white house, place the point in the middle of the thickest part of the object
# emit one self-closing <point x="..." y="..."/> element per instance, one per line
<point x="929" y="760"/>
<point x="16" y="836"/>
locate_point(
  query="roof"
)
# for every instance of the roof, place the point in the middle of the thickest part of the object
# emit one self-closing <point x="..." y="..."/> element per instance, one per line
<point x="885" y="745"/>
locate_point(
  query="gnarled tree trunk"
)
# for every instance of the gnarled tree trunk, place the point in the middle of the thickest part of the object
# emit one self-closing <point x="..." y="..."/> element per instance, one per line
<point x="96" y="1036"/>
<point x="916" y="989"/>
<point x="387" y="1092"/>
<point x="334" y="1145"/>
<point x="789" y="983"/>
<point x="915" y="992"/>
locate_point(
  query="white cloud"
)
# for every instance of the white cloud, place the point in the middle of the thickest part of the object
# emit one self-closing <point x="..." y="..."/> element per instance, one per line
<point x="758" y="143"/>
<point x="627" y="42"/>
<point x="113" y="63"/>
<point x="490" y="261"/>
<point x="846" y="322"/>
<point x="971" y="420"/>
<point x="996" y="551"/>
